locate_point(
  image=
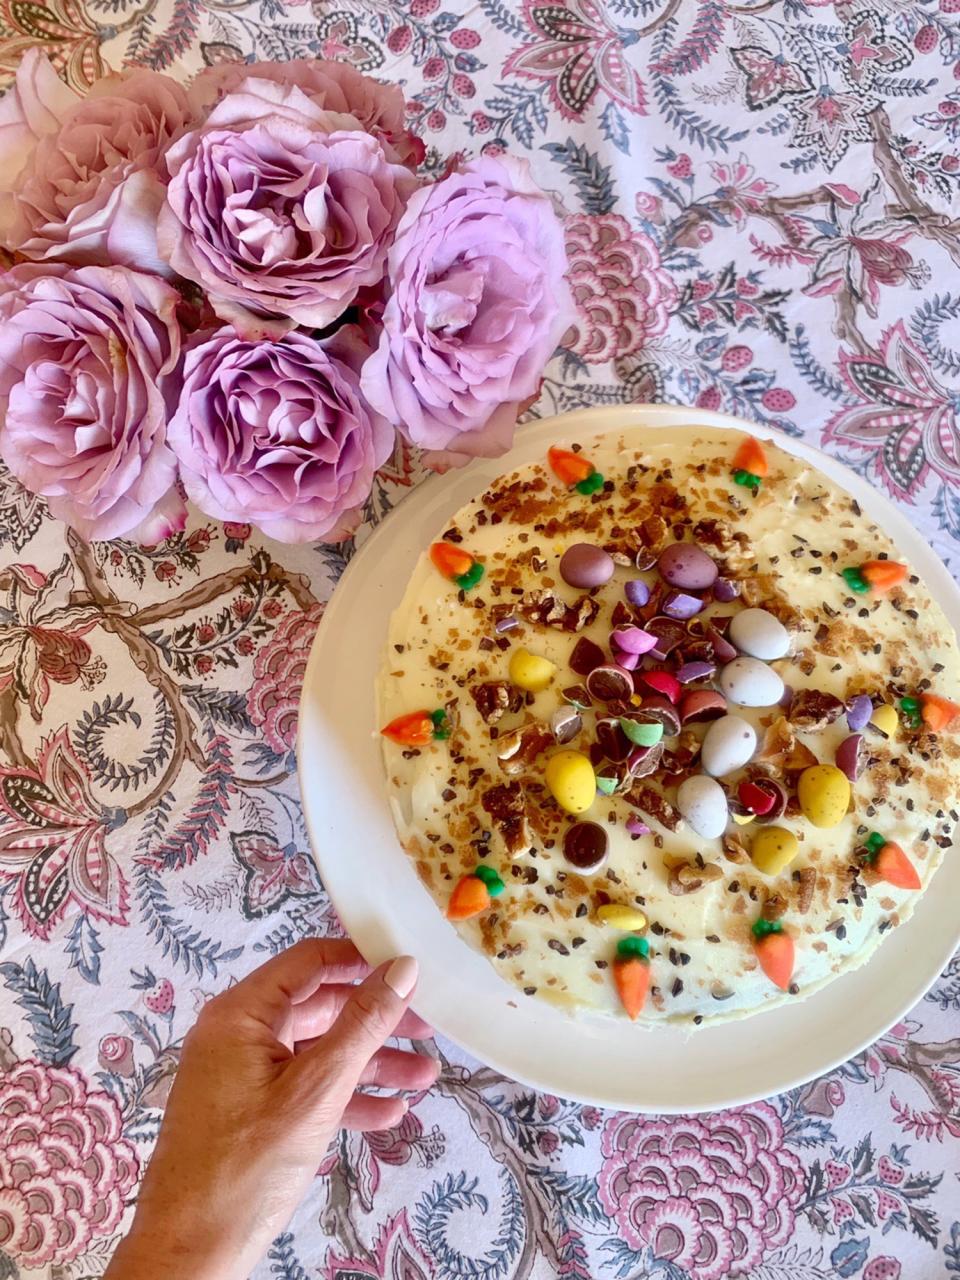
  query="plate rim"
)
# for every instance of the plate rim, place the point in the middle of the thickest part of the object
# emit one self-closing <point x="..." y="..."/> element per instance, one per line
<point x="588" y="423"/>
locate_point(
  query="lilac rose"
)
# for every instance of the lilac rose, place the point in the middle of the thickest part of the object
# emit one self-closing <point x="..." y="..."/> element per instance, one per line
<point x="87" y="357"/>
<point x="277" y="433"/>
<point x="477" y="305"/>
<point x="283" y="211"/>
<point x="334" y="86"/>
<point x="82" y="179"/>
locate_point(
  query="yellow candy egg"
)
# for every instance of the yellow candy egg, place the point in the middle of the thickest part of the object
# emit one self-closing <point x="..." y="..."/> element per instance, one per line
<point x="619" y="916"/>
<point x="824" y="795"/>
<point x="572" y="782"/>
<point x="885" y="719"/>
<point x="773" y="849"/>
<point x="531" y="672"/>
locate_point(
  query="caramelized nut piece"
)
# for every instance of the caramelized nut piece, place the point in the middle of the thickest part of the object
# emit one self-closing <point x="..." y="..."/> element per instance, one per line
<point x="521" y="746"/>
<point x="806" y="882"/>
<point x="774" y="907"/>
<point x="678" y="887"/>
<point x="813" y="710"/>
<point x="734" y="849"/>
<point x="495" y="698"/>
<point x="689" y="877"/>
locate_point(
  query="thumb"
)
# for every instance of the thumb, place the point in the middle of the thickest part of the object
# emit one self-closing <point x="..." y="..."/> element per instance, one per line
<point x="368" y="1018"/>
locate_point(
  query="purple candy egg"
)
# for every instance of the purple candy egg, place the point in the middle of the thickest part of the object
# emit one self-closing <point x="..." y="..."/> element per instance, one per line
<point x="629" y="661"/>
<point x="725" y="590"/>
<point x="687" y="566"/>
<point x="586" y="566"/>
<point x="859" y="711"/>
<point x="691" y="671"/>
<point x="677" y="604"/>
<point x="637" y="592"/>
<point x="636" y="826"/>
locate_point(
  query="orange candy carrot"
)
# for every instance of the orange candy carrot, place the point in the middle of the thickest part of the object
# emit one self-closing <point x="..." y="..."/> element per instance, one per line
<point x="569" y="468"/>
<point x="415" y="729"/>
<point x="893" y="865"/>
<point x="470" y="896"/>
<point x="751" y="457"/>
<point x="632" y="977"/>
<point x="450" y="560"/>
<point x="883" y="574"/>
<point x="938" y="713"/>
<point x="775" y="953"/>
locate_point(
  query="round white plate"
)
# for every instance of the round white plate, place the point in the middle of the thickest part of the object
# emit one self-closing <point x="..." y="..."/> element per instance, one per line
<point x="606" y="1061"/>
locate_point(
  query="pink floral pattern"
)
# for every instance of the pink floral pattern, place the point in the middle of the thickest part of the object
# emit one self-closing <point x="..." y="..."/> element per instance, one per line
<point x="396" y="1256"/>
<point x="904" y="418"/>
<point x="622" y="294"/>
<point x="65" y="1169"/>
<point x="52" y="841"/>
<point x="760" y="206"/>
<point x="578" y="52"/>
<point x="711" y="1195"/>
<point x="48" y="644"/>
<point x="278" y="677"/>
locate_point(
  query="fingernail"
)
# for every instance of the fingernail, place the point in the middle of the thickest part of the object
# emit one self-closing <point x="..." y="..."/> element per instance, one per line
<point x="401" y="977"/>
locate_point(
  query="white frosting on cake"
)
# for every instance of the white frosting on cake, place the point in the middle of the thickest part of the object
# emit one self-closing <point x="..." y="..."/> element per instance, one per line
<point x="800" y="531"/>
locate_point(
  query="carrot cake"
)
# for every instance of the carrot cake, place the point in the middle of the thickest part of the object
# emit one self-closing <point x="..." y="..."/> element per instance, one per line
<point x="668" y="726"/>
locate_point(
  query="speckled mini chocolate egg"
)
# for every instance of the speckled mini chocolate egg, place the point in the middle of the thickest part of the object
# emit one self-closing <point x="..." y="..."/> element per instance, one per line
<point x="824" y="794"/>
<point x="727" y="745"/>
<point x="759" y="634"/>
<point x="773" y="849"/>
<point x="751" y="683"/>
<point x="703" y="804"/>
<point x="687" y="566"/>
<point x="585" y="566"/>
<point x="572" y="782"/>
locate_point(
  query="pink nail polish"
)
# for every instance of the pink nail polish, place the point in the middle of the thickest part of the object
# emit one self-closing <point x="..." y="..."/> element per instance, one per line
<point x="401" y="977"/>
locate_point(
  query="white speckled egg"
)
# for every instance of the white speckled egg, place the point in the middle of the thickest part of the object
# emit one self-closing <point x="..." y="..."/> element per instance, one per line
<point x="703" y="804"/>
<point x="759" y="634"/>
<point x="751" y="683"/>
<point x="728" y="744"/>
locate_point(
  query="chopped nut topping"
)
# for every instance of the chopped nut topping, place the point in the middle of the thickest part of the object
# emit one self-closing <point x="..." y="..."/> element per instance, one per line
<point x="653" y="532"/>
<point x="780" y="750"/>
<point x="806" y="883"/>
<point x="520" y="747"/>
<point x="495" y="698"/>
<point x="774" y="907"/>
<point x="505" y="805"/>
<point x="688" y="877"/>
<point x="813" y="710"/>
<point x="720" y="534"/>
<point x="654" y="805"/>
<point x="547" y="610"/>
<point x="734" y="849"/>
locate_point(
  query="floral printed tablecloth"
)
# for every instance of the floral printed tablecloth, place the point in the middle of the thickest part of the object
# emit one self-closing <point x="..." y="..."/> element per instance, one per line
<point x="763" y="205"/>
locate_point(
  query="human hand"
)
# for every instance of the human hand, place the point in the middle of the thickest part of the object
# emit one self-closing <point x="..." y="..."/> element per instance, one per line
<point x="267" y="1076"/>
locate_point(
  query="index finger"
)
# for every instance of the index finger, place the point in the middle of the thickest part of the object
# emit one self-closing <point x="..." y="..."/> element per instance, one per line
<point x="294" y="975"/>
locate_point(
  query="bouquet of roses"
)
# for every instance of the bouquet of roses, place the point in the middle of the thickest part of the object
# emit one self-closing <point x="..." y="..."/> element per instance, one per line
<point x="239" y="291"/>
